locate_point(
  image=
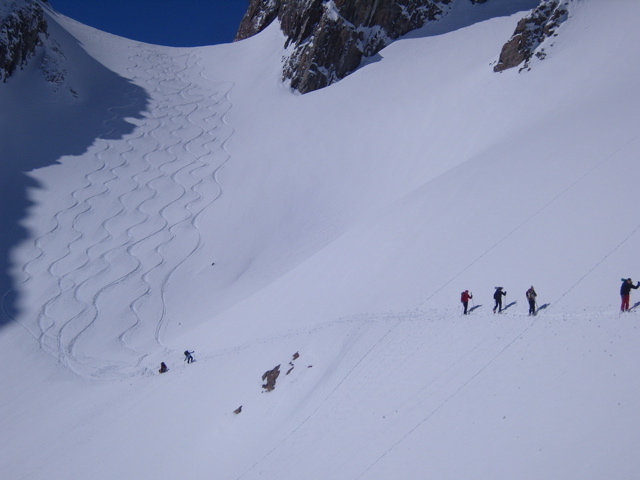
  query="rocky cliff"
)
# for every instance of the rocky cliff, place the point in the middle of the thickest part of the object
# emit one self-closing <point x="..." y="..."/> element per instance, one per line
<point x="24" y="37"/>
<point x="530" y="34"/>
<point x="327" y="39"/>
<point x="22" y="29"/>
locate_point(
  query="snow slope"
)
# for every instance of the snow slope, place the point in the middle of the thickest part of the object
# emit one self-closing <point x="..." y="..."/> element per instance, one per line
<point x="183" y="198"/>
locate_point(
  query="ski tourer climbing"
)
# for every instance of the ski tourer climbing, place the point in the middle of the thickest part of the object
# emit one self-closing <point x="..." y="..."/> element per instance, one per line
<point x="625" y="293"/>
<point x="497" y="296"/>
<point x="531" y="297"/>
<point x="464" y="298"/>
<point x="188" y="357"/>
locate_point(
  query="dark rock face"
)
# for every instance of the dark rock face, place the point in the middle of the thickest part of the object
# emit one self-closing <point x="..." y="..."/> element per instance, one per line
<point x="530" y="32"/>
<point x="258" y="16"/>
<point x="329" y="38"/>
<point x="270" y="377"/>
<point x="21" y="28"/>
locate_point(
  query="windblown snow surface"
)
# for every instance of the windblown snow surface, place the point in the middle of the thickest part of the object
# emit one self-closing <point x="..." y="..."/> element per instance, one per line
<point x="165" y="199"/>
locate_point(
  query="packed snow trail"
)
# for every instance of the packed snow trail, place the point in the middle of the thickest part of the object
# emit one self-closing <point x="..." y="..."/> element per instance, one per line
<point x="427" y="374"/>
<point x="104" y="306"/>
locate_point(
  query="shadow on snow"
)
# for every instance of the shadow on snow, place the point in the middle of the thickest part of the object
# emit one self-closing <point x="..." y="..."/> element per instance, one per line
<point x="509" y="305"/>
<point x="38" y="130"/>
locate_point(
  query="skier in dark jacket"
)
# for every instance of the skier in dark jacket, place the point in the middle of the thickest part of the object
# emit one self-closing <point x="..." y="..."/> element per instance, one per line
<point x="531" y="297"/>
<point x="188" y="357"/>
<point x="163" y="367"/>
<point x="625" y="293"/>
<point x="497" y="296"/>
<point x="464" y="298"/>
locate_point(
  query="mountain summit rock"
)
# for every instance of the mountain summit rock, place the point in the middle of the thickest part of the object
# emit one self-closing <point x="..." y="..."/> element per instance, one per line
<point x="530" y="33"/>
<point x="22" y="27"/>
<point x="327" y="40"/>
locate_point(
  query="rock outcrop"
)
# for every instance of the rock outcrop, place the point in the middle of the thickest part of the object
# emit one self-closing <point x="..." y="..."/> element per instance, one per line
<point x="530" y="33"/>
<point x="270" y="377"/>
<point x="23" y="33"/>
<point x="327" y="39"/>
<point x="22" y="30"/>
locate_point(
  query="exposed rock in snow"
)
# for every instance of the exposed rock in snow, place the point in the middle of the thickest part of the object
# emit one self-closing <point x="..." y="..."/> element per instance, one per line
<point x="530" y="33"/>
<point x="22" y="29"/>
<point x="258" y="16"/>
<point x="270" y="377"/>
<point x="24" y="32"/>
<point x="329" y="38"/>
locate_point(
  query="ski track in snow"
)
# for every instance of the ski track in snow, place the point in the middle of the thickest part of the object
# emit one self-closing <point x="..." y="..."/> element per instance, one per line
<point x="392" y="342"/>
<point x="100" y="292"/>
<point x="114" y="261"/>
<point x="397" y="341"/>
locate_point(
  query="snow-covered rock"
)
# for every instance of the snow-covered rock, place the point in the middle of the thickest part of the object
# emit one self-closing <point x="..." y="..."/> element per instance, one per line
<point x="22" y="29"/>
<point x="328" y="39"/>
<point x="531" y="33"/>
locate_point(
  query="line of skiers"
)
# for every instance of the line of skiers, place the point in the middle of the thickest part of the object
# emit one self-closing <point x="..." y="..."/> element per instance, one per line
<point x="497" y="297"/>
<point x="625" y="294"/>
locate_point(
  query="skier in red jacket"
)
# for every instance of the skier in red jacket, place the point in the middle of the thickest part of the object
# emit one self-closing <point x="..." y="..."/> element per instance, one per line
<point x="625" y="292"/>
<point x="464" y="298"/>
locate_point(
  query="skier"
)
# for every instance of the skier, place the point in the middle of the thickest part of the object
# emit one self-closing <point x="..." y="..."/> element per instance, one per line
<point x="497" y="296"/>
<point x="625" y="293"/>
<point x="188" y="357"/>
<point x="531" y="296"/>
<point x="464" y="298"/>
<point x="163" y="367"/>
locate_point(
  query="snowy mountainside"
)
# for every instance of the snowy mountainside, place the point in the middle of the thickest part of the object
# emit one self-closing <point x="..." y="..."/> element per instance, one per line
<point x="192" y="202"/>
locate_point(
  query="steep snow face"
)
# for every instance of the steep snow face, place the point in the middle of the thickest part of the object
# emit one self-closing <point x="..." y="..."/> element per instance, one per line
<point x="188" y="201"/>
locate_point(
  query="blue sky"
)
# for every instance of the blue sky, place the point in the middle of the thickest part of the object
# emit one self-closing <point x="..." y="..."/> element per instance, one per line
<point x="177" y="23"/>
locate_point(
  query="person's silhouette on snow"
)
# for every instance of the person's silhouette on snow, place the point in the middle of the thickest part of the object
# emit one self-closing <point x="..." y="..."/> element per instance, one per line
<point x="497" y="296"/>
<point x="531" y="297"/>
<point x="464" y="298"/>
<point x="188" y="357"/>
